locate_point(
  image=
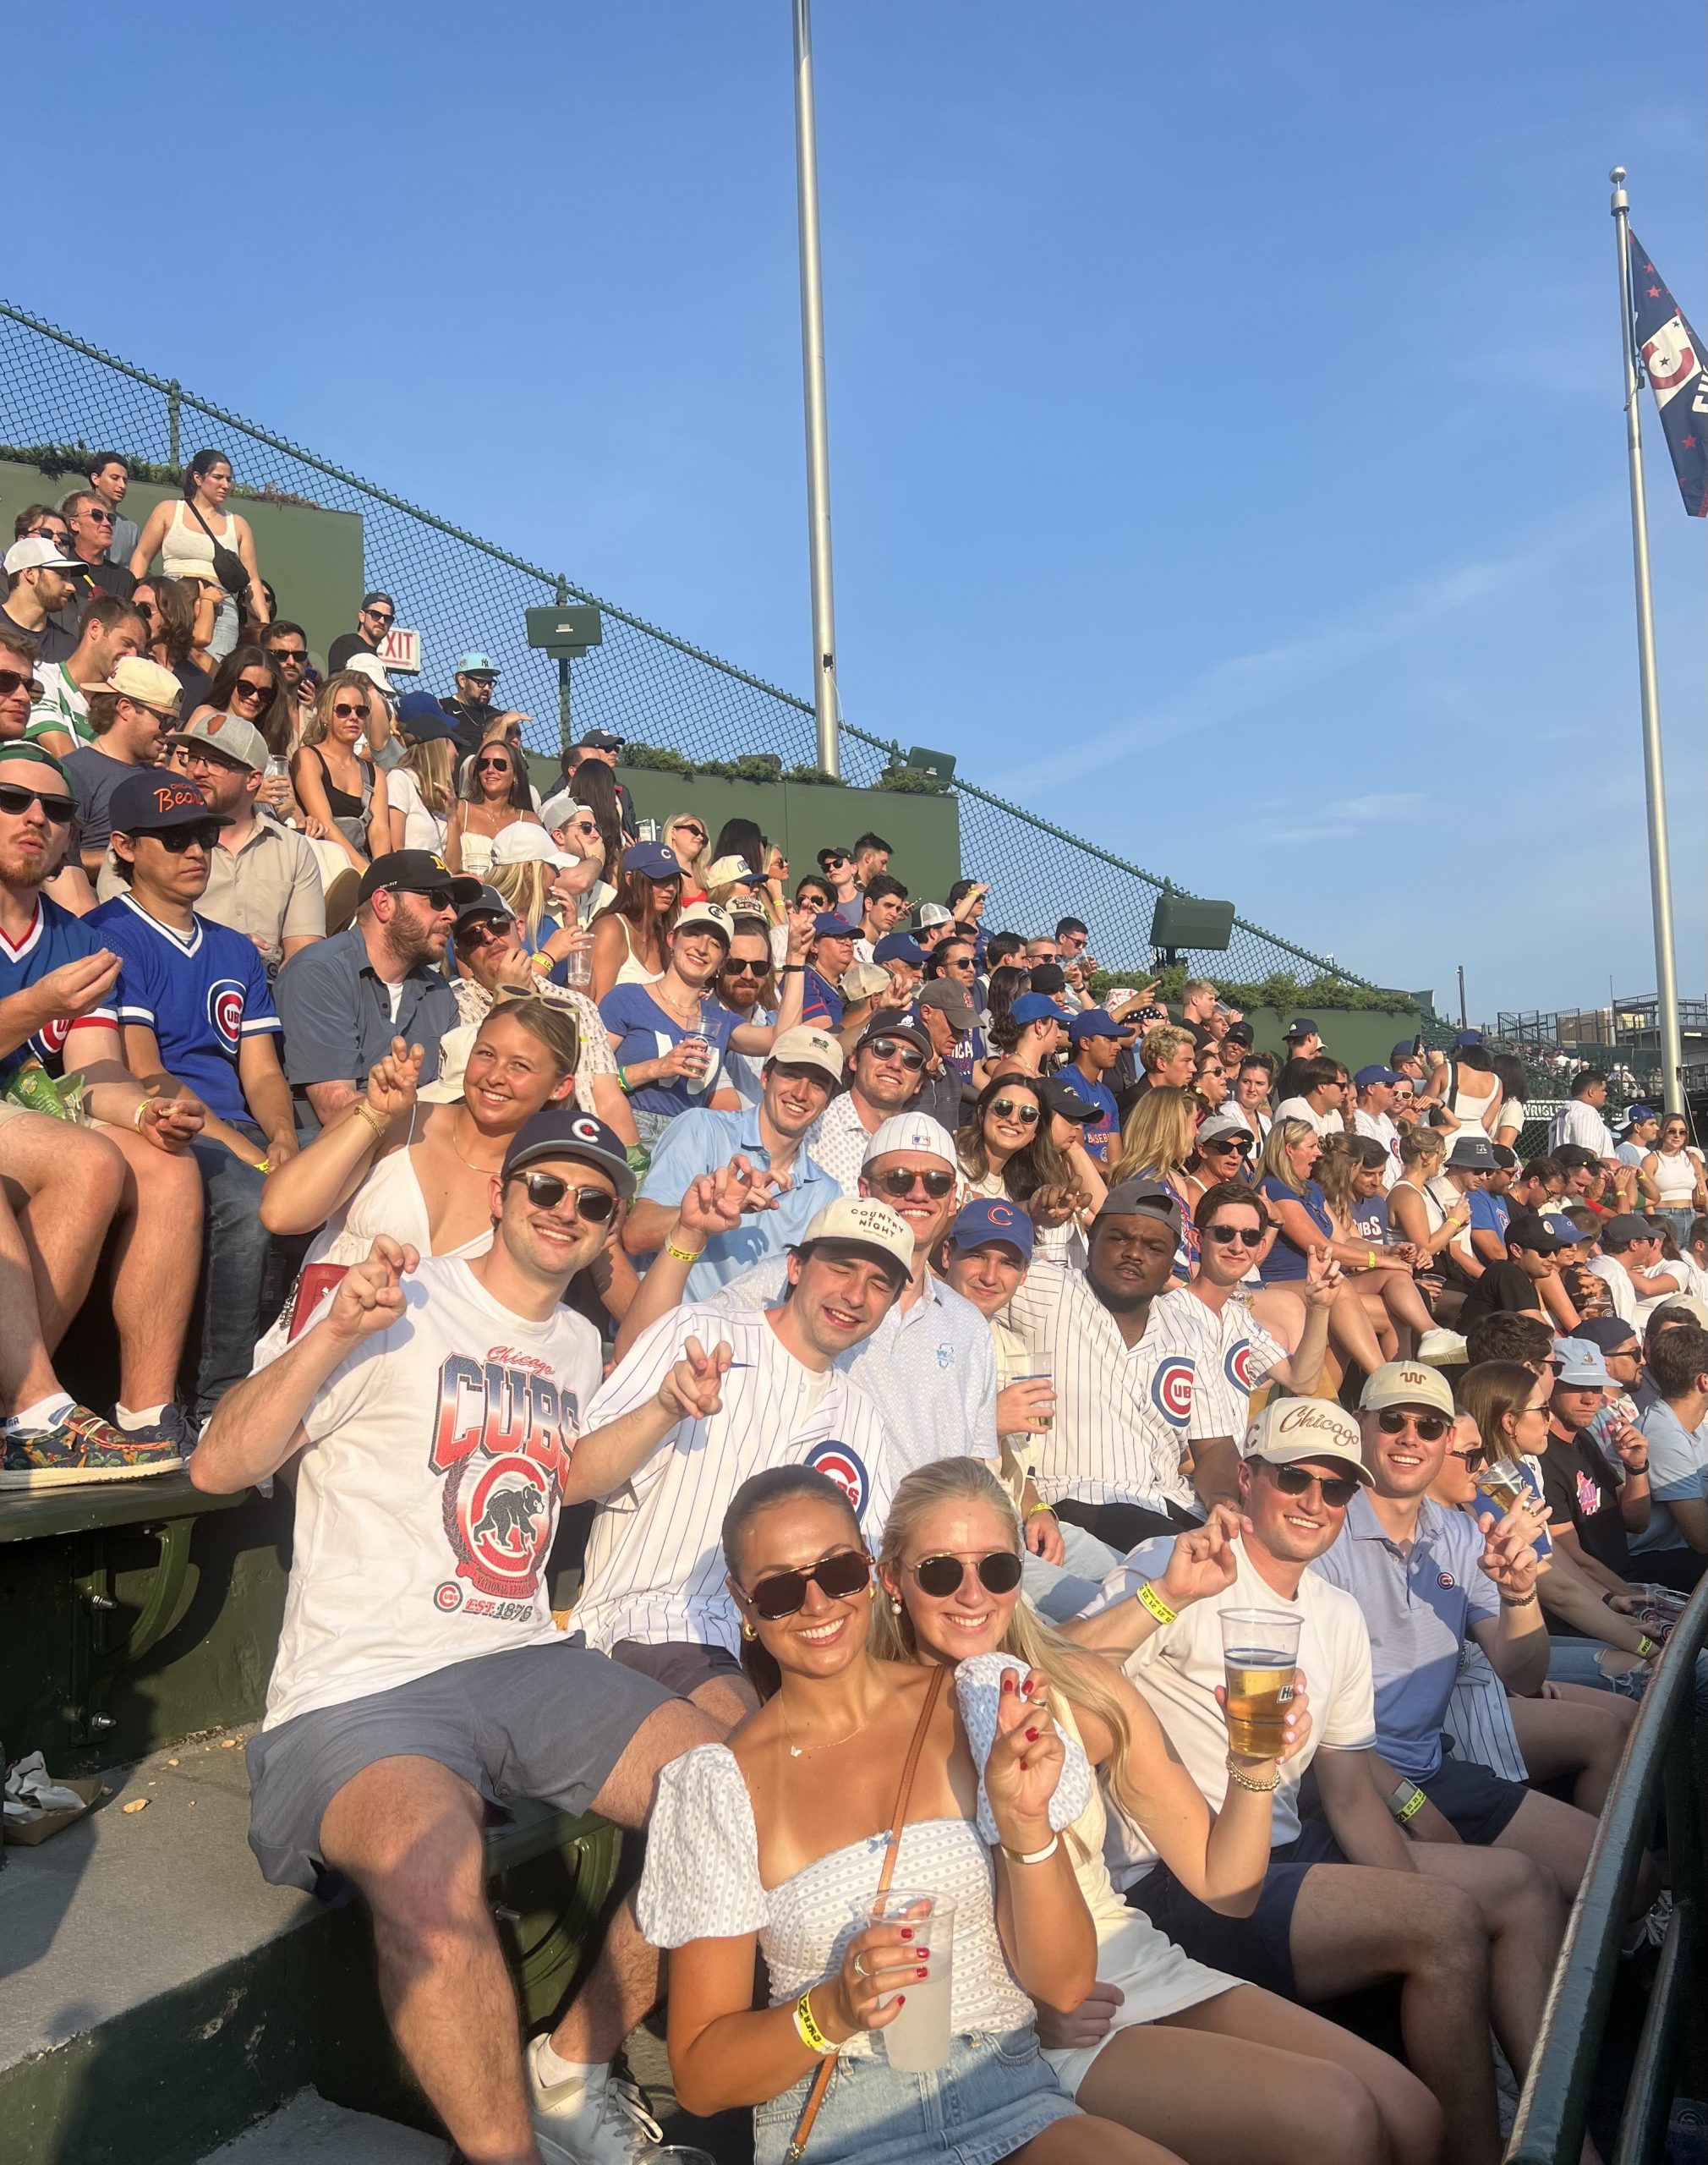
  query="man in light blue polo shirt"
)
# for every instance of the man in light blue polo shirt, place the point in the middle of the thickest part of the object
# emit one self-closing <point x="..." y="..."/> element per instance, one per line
<point x="1676" y="1424"/>
<point x="1426" y="1577"/>
<point x="801" y="1070"/>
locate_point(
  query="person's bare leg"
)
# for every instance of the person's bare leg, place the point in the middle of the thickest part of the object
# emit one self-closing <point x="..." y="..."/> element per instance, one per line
<point x="1558" y="1836"/>
<point x="157" y="1256"/>
<point x="1525" y="1920"/>
<point x="64" y="1183"/>
<point x="1350" y="1329"/>
<point x="622" y="1989"/>
<point x="406" y="1832"/>
<point x="1352" y="1925"/>
<point x="1404" y="1303"/>
<point x="727" y="1700"/>
<point x="1301" y="2095"/>
<point x="27" y="1373"/>
<point x="1085" y="2141"/>
<point x="1583" y="1736"/>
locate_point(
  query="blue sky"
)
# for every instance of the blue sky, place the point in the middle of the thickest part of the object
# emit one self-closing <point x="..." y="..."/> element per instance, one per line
<point x="1226" y="450"/>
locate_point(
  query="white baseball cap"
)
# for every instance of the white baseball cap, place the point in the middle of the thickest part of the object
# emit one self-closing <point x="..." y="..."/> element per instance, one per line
<point x="556" y="810"/>
<point x="934" y="913"/>
<point x="370" y="667"/>
<point x="805" y="1047"/>
<point x="1290" y="1429"/>
<point x="712" y="913"/>
<point x="912" y="1131"/>
<point x="1407" y="1383"/>
<point x="862" y="1223"/>
<point x="524" y="843"/>
<point x="35" y="552"/>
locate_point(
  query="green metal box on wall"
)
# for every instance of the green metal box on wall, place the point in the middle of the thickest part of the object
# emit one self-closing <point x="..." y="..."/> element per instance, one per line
<point x="803" y="818"/>
<point x="311" y="558"/>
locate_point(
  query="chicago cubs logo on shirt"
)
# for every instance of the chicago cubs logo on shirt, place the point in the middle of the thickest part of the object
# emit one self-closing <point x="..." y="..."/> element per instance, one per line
<point x="1171" y="1389"/>
<point x="502" y="1440"/>
<point x="225" y="1010"/>
<point x="844" y="1466"/>
<point x="1240" y="1365"/>
<point x="1445" y="1580"/>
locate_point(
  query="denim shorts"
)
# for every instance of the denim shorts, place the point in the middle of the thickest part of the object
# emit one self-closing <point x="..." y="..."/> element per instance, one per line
<point x="994" y="2096"/>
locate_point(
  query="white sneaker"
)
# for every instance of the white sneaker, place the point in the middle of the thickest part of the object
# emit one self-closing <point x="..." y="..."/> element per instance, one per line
<point x="579" y="2123"/>
<point x="1440" y="1346"/>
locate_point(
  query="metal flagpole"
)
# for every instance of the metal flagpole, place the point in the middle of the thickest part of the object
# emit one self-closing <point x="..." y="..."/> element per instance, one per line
<point x="1655" y="780"/>
<point x="825" y="703"/>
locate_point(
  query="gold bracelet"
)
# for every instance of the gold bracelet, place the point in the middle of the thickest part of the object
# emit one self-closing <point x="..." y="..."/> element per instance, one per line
<point x="140" y="1107"/>
<point x="811" y="2035"/>
<point x="375" y="1120"/>
<point x="1242" y="1780"/>
<point x="683" y="1255"/>
<point x="1148" y="1598"/>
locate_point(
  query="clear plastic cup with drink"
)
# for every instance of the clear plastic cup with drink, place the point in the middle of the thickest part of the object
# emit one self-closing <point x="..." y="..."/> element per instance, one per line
<point x="1040" y="1368"/>
<point x="1501" y="1481"/>
<point x="918" y="2040"/>
<point x="1260" y="1659"/>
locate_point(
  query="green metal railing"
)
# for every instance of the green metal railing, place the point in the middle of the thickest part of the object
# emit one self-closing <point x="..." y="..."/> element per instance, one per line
<point x="1664" y="1764"/>
<point x="643" y="683"/>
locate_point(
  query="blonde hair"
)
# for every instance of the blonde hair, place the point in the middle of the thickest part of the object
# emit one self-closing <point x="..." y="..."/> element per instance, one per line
<point x="695" y="870"/>
<point x="1417" y="1143"/>
<point x="527" y="888"/>
<point x="433" y="763"/>
<point x="1163" y="1042"/>
<point x="1286" y="1135"/>
<point x="1065" y="1666"/>
<point x="319" y="723"/>
<point x="1159" y="1135"/>
<point x="554" y="1026"/>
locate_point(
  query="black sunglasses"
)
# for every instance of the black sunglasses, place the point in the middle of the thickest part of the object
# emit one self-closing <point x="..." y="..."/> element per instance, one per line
<point x="342" y="713"/>
<point x="178" y="840"/>
<point x="1220" y="1144"/>
<point x="1294" y="1481"/>
<point x="1226" y="1236"/>
<point x="242" y="689"/>
<point x="492" y="766"/>
<point x="1475" y="1458"/>
<point x="1007" y="1109"/>
<point x="738" y="967"/>
<point x="940" y="1576"/>
<point x="841" y="1576"/>
<point x="15" y="802"/>
<point x="965" y="963"/>
<point x="379" y="616"/>
<point x="910" y="1056"/>
<point x="1394" y="1421"/>
<point x="10" y="679"/>
<point x="436" y="898"/>
<point x="592" y="1205"/>
<point x="288" y="653"/>
<point x="99" y="517"/>
<point x="898" y="1184"/>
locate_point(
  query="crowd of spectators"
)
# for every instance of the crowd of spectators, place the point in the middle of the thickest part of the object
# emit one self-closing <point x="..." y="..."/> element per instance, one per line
<point x="908" y="1301"/>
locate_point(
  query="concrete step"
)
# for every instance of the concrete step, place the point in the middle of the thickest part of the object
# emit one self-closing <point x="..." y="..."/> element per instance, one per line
<point x="310" y="2131"/>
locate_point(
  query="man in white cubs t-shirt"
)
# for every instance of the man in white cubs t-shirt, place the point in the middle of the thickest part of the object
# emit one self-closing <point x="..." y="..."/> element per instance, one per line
<point x="1348" y="1898"/>
<point x="435" y="1411"/>
<point x="654" y="1595"/>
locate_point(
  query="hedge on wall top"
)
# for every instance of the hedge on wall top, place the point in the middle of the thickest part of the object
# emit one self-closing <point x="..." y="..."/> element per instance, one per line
<point x="1279" y="991"/>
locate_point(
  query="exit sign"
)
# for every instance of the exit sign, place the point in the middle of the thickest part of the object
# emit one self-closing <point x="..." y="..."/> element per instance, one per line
<point x="401" y="649"/>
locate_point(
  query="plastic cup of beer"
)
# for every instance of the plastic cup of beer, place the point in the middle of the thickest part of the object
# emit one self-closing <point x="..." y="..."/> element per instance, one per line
<point x="1502" y="1481"/>
<point x="1040" y="1368"/>
<point x="1260" y="1655"/>
<point x="918" y="2040"/>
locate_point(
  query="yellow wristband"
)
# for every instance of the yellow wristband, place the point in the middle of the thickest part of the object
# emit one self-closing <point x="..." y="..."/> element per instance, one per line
<point x="1370" y="1264"/>
<point x="1408" y="1811"/>
<point x="811" y="2035"/>
<point x="1148" y="1598"/>
<point x="140" y="1108"/>
<point x="264" y="1165"/>
<point x="1647" y="1647"/>
<point x="683" y="1255"/>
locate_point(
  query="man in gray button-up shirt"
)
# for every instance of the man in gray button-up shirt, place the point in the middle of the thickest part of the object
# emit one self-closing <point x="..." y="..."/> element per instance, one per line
<point x="343" y="1000"/>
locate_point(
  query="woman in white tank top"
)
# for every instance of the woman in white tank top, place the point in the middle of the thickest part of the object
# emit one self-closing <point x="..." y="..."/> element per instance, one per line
<point x="186" y="547"/>
<point x="629" y="935"/>
<point x="1672" y="1174"/>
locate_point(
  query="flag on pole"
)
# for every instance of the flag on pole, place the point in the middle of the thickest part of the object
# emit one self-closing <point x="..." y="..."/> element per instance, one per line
<point x="1671" y="355"/>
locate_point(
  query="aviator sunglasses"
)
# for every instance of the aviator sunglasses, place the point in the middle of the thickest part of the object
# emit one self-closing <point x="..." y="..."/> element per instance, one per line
<point x="940" y="1576"/>
<point x="841" y="1576"/>
<point x="1431" y="1426"/>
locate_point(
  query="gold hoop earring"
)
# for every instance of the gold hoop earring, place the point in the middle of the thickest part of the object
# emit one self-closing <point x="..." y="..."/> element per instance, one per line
<point x="748" y="1631"/>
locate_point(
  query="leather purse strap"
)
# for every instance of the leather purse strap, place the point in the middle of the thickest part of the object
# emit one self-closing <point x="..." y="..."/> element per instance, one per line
<point x="910" y="1767"/>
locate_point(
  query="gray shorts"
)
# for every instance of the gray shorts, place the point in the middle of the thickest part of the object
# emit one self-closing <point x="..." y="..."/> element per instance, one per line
<point x="681" y="1665"/>
<point x="549" y="1722"/>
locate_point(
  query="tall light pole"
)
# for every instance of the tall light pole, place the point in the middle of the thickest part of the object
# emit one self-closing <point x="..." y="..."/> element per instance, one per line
<point x="824" y="700"/>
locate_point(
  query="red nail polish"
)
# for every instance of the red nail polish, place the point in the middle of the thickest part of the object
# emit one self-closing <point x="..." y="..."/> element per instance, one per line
<point x="901" y="1999"/>
<point x="922" y="1976"/>
<point x="907" y="1932"/>
<point x="1032" y="1736"/>
<point x="1008" y="1683"/>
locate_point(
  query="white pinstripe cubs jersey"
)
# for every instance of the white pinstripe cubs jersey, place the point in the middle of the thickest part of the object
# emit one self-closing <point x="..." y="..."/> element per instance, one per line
<point x="1123" y="1417"/>
<point x="1231" y="1355"/>
<point x="655" y="1568"/>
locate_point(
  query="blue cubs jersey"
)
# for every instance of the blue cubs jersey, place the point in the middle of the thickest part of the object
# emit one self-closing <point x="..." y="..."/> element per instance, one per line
<point x="201" y="994"/>
<point x="55" y="937"/>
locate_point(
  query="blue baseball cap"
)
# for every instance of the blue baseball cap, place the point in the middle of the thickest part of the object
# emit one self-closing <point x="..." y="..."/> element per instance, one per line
<point x="652" y="860"/>
<point x="558" y="1132"/>
<point x="421" y="714"/>
<point x="1371" y="1078"/>
<point x="1406" y="1049"/>
<point x="1565" y="1233"/>
<point x="993" y="1220"/>
<point x="1097" y="1023"/>
<point x="473" y="665"/>
<point x="897" y="947"/>
<point x="1581" y="1363"/>
<point x="1636" y="1115"/>
<point x="827" y="925"/>
<point x="1467" y="1037"/>
<point x="1034" y="1008"/>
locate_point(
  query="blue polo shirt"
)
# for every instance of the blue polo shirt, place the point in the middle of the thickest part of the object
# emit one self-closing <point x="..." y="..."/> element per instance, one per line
<point x="340" y="1017"/>
<point x="821" y="1004"/>
<point x="1490" y="1213"/>
<point x="702" y="1141"/>
<point x="1419" y="1611"/>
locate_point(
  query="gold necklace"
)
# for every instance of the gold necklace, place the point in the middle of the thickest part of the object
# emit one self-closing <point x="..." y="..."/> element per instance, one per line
<point x="801" y="1751"/>
<point x="488" y="1169"/>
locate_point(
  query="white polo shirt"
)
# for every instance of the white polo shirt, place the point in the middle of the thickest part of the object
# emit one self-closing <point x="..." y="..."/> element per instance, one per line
<point x="1179" y="1666"/>
<point x="1328" y="1123"/>
<point x="1577" y="1122"/>
<point x="1123" y="1416"/>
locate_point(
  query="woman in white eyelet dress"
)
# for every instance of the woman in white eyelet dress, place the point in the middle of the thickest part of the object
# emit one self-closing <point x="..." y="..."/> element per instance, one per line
<point x="1152" y="2045"/>
<point x="774" y="1840"/>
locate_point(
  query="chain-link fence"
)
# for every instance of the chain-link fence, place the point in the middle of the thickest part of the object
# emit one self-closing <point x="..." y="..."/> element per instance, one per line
<point x="642" y="683"/>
